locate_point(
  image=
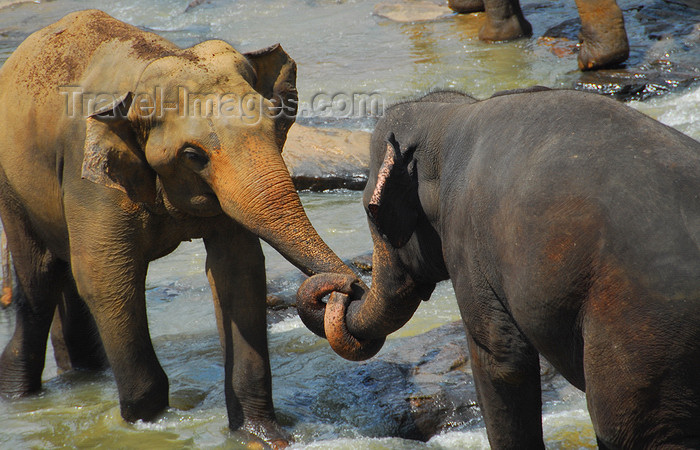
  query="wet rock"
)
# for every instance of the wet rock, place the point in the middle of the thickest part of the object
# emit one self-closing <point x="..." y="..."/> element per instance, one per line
<point x="363" y="262"/>
<point x="6" y="3"/>
<point x="658" y="77"/>
<point x="421" y="387"/>
<point x="668" y="18"/>
<point x="327" y="158"/>
<point x="412" y="10"/>
<point x="568" y="29"/>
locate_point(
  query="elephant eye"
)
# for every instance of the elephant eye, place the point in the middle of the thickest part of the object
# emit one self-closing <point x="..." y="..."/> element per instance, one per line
<point x="195" y="155"/>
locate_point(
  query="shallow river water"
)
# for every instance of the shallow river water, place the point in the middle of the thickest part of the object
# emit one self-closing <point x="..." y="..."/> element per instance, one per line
<point x="341" y="48"/>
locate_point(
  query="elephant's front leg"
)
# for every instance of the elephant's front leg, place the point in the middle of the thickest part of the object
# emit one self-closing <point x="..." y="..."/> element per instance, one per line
<point x="603" y="36"/>
<point x="506" y="371"/>
<point x="236" y="272"/>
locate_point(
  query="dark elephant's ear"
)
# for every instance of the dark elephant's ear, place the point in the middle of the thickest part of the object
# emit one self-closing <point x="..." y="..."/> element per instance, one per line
<point x="393" y="207"/>
<point x="113" y="158"/>
<point x="276" y="80"/>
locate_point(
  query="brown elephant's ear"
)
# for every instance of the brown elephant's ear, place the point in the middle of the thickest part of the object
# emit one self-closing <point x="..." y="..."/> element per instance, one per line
<point x="393" y="207"/>
<point x="276" y="80"/>
<point x="112" y="156"/>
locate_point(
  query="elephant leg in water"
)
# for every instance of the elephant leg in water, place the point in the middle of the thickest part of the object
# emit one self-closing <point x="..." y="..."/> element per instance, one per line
<point x="74" y="335"/>
<point x="39" y="271"/>
<point x="242" y="324"/>
<point x="603" y="39"/>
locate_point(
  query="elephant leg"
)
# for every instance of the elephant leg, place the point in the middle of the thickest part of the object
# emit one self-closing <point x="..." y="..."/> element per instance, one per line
<point x="603" y="36"/>
<point x="466" y="6"/>
<point x="39" y="275"/>
<point x="506" y="371"/>
<point x="74" y="336"/>
<point x="641" y="369"/>
<point x="111" y="280"/>
<point x="504" y="21"/>
<point x="236" y="272"/>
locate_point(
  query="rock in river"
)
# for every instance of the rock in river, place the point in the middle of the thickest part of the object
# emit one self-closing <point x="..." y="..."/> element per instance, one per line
<point x="422" y="386"/>
<point x="412" y="10"/>
<point x="327" y="158"/>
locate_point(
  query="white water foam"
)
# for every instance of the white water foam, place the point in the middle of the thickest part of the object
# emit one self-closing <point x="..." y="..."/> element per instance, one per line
<point x="679" y="110"/>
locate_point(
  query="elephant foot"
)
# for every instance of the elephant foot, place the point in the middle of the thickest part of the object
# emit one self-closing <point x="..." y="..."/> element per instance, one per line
<point x="268" y="431"/>
<point x="508" y="29"/>
<point x="147" y="406"/>
<point x="16" y="386"/>
<point x="466" y="6"/>
<point x="602" y="49"/>
<point x="19" y="376"/>
<point x="603" y="39"/>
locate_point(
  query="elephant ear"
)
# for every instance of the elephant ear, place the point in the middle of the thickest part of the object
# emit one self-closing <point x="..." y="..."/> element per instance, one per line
<point x="112" y="156"/>
<point x="276" y="80"/>
<point x="393" y="207"/>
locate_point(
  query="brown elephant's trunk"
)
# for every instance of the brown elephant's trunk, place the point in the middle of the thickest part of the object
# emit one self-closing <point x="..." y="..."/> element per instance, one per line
<point x="259" y="194"/>
<point x="356" y="329"/>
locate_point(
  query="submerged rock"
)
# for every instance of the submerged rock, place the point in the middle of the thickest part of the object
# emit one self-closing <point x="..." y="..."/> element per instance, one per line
<point x="327" y="158"/>
<point x="6" y="3"/>
<point x="194" y="3"/>
<point x="412" y="10"/>
<point x="421" y="387"/>
<point x="363" y="262"/>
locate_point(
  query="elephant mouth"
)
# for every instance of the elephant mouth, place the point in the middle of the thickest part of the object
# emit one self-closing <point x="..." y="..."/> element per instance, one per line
<point x="205" y="205"/>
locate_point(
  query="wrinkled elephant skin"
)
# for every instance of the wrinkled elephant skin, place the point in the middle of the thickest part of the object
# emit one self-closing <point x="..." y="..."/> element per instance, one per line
<point x="569" y="225"/>
<point x="116" y="146"/>
<point x="603" y="39"/>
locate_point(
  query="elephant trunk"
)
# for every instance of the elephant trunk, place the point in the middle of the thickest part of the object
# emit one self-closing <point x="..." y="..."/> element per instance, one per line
<point x="357" y="329"/>
<point x="260" y="195"/>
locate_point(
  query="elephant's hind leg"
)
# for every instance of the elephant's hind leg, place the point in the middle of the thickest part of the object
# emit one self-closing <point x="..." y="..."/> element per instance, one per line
<point x="40" y="275"/>
<point x="74" y="335"/>
<point x="603" y="36"/>
<point x="641" y="362"/>
<point x="504" y="21"/>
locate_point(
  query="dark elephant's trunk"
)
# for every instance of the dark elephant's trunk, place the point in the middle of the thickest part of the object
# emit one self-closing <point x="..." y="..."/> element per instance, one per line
<point x="259" y="194"/>
<point x="357" y="329"/>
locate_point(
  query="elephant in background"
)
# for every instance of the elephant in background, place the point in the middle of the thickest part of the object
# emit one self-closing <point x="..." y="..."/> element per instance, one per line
<point x="115" y="146"/>
<point x="569" y="225"/>
<point x="603" y="37"/>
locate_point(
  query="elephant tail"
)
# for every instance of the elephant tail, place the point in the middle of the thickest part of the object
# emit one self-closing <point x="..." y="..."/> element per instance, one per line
<point x="6" y="297"/>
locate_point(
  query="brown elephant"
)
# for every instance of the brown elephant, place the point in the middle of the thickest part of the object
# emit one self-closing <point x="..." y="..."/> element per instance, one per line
<point x="115" y="146"/>
<point x="603" y="36"/>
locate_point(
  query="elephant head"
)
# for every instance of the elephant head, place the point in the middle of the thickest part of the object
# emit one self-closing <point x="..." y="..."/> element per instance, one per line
<point x="202" y="135"/>
<point x="407" y="261"/>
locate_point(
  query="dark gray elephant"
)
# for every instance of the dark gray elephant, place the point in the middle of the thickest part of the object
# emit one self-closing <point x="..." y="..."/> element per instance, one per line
<point x="115" y="146"/>
<point x="603" y="37"/>
<point x="569" y="225"/>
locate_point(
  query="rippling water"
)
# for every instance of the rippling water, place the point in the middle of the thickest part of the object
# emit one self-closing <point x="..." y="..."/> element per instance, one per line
<point x="339" y="47"/>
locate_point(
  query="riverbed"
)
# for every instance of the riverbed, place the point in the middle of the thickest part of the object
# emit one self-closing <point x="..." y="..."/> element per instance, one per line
<point x="341" y="49"/>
